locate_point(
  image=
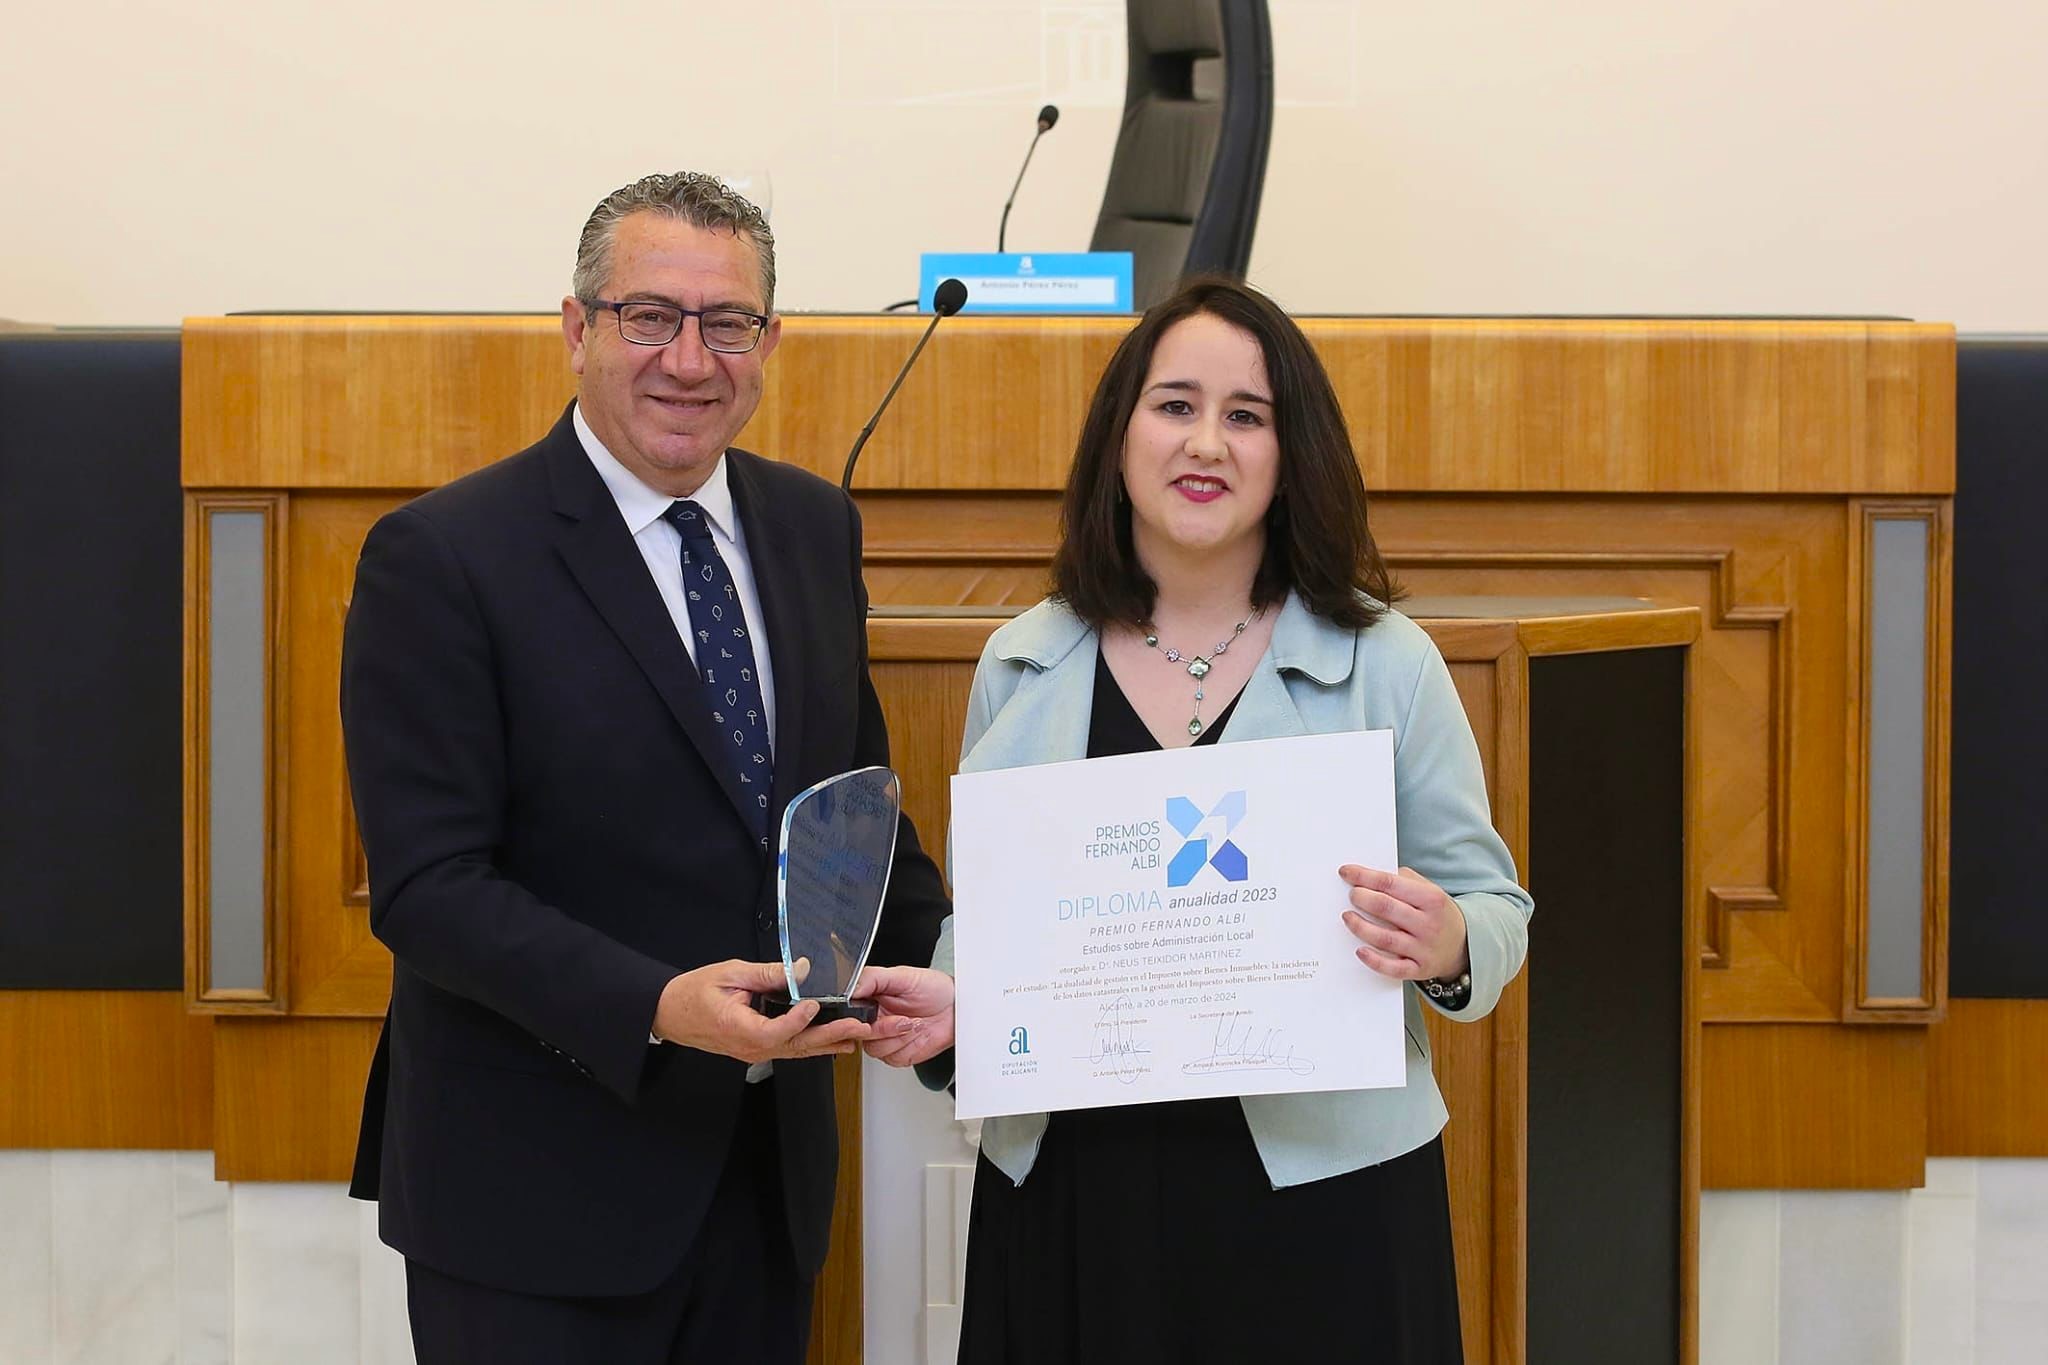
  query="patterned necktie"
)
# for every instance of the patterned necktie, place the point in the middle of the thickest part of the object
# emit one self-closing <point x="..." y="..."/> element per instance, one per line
<point x="725" y="659"/>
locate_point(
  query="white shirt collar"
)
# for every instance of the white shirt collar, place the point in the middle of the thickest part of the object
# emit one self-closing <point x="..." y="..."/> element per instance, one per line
<point x="642" y="506"/>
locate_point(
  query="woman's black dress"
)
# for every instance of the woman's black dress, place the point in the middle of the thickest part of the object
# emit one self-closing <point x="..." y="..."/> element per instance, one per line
<point x="1150" y="1232"/>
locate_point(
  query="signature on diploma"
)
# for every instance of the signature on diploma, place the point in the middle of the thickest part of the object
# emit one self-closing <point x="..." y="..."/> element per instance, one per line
<point x="1116" y="1041"/>
<point x="1241" y="1045"/>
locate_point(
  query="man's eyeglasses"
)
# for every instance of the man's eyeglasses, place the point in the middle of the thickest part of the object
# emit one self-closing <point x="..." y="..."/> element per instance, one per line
<point x="731" y="330"/>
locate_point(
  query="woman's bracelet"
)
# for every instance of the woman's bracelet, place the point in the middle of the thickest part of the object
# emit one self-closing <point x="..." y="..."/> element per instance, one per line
<point x="1452" y="995"/>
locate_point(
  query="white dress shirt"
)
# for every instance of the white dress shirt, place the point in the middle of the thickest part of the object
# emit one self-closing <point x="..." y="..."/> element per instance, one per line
<point x="661" y="545"/>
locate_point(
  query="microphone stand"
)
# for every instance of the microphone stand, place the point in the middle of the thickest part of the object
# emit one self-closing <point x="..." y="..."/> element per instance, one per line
<point x="1003" y="228"/>
<point x="946" y="301"/>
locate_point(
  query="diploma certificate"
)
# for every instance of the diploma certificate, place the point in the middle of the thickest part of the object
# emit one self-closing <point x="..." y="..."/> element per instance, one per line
<point x="1169" y="926"/>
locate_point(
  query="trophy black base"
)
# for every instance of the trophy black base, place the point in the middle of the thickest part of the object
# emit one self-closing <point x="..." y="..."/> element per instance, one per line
<point x="829" y="1011"/>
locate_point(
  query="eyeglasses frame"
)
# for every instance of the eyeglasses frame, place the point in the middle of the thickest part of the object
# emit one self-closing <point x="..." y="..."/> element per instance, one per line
<point x="616" y="308"/>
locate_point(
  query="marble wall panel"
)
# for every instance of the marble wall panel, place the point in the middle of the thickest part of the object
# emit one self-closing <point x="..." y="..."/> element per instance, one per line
<point x="1739" y="1277"/>
<point x="2011" y="1296"/>
<point x="25" y="1299"/>
<point x="142" y="1257"/>
<point x="1941" y="1265"/>
<point x="1841" y="1260"/>
<point x="387" y="1335"/>
<point x="298" y="1275"/>
<point x="203" y="1255"/>
<point x="113" y="1276"/>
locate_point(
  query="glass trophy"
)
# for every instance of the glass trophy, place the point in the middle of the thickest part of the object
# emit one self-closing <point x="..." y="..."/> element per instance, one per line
<point x="831" y="873"/>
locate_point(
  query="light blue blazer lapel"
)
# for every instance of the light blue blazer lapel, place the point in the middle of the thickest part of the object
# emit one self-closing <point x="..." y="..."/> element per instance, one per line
<point x="1302" y="644"/>
<point x="1046" y="719"/>
<point x="1265" y="710"/>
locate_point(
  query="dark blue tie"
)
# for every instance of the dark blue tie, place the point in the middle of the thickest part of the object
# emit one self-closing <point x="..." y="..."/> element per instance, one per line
<point x="725" y="660"/>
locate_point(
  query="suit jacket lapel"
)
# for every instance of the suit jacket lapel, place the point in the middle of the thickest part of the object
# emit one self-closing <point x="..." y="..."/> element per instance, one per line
<point x="608" y="567"/>
<point x="773" y="560"/>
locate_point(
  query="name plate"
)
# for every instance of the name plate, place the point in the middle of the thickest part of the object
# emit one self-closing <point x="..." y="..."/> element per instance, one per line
<point x="1168" y="925"/>
<point x="1031" y="281"/>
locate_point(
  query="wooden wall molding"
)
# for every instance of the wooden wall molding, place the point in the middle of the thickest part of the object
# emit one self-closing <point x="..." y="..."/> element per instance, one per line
<point x="1724" y="901"/>
<point x="1765" y="839"/>
<point x="1724" y="611"/>
<point x="275" y="509"/>
<point x="1858" y="1002"/>
<point x="337" y="968"/>
<point x="1483" y="1068"/>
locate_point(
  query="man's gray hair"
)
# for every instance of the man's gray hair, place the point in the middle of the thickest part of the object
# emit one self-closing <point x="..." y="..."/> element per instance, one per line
<point x="702" y="201"/>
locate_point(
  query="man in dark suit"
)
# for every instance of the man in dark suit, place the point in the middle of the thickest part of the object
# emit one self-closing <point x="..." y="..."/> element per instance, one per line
<point x="578" y="688"/>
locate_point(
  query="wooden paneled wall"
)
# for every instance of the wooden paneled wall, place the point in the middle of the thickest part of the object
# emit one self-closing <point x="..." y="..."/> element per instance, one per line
<point x="1775" y="714"/>
<point x="1772" y="668"/>
<point x="1730" y="465"/>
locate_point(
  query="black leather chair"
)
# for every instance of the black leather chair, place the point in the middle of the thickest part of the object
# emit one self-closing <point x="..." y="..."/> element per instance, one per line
<point x="1190" y="162"/>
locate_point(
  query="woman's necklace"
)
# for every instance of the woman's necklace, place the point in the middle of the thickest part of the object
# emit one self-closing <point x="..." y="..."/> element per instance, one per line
<point x="1198" y="665"/>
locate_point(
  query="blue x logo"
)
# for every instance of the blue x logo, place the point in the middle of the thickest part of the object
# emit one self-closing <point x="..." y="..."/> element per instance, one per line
<point x="1205" y="831"/>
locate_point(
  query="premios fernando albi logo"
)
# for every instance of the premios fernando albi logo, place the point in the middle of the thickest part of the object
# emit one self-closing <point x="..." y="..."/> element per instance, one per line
<point x="1208" y="835"/>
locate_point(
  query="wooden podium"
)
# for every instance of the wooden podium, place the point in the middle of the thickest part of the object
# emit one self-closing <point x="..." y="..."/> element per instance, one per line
<point x="1782" y="488"/>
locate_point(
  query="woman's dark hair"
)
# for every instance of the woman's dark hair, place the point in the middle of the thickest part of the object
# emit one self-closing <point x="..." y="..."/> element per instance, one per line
<point x="1317" y="541"/>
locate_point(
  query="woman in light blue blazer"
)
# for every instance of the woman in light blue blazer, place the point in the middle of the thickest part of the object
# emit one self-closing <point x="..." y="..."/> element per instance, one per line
<point x="1217" y="581"/>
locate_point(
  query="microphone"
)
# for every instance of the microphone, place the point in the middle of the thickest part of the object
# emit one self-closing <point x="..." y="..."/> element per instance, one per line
<point x="1047" y="117"/>
<point x="947" y="300"/>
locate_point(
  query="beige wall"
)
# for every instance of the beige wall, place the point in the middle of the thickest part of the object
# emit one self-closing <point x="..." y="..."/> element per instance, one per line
<point x="1833" y="156"/>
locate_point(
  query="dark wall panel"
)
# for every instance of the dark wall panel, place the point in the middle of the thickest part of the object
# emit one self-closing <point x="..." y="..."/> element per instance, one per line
<point x="1998" y="805"/>
<point x="91" y="615"/>
<point x="1606" y="963"/>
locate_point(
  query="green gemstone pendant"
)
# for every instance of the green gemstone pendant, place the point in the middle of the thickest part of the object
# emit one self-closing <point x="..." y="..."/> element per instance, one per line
<point x="1197" y="665"/>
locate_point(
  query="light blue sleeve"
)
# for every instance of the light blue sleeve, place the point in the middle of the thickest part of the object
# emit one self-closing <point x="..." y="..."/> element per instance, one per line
<point x="1446" y="832"/>
<point x="981" y="710"/>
